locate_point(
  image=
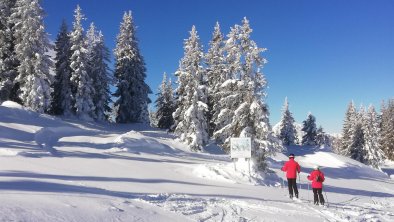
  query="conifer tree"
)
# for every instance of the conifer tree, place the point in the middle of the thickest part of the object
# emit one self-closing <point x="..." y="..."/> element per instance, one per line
<point x="387" y="129"/>
<point x="216" y="75"/>
<point x="373" y="154"/>
<point x="31" y="45"/>
<point x="288" y="133"/>
<point x="190" y="117"/>
<point x="322" y="139"/>
<point x="8" y="61"/>
<point x="61" y="95"/>
<point x="130" y="74"/>
<point x="348" y="127"/>
<point x="309" y="128"/>
<point x="357" y="151"/>
<point x="98" y="57"/>
<point x="165" y="104"/>
<point x="243" y="109"/>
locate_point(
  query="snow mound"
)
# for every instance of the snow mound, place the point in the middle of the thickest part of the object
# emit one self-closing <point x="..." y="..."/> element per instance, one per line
<point x="11" y="104"/>
<point x="15" y="110"/>
<point x="323" y="159"/>
<point x="47" y="137"/>
<point x="8" y="152"/>
<point x="238" y="172"/>
<point x="136" y="142"/>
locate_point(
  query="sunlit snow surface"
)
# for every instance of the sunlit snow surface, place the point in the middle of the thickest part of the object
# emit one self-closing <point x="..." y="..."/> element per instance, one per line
<point x="67" y="170"/>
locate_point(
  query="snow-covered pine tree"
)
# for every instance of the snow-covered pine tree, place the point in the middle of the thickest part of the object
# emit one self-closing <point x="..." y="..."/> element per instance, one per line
<point x="287" y="130"/>
<point x="31" y="45"/>
<point x="165" y="104"/>
<point x="81" y="82"/>
<point x="309" y="127"/>
<point x="98" y="57"/>
<point x="130" y="74"/>
<point x="372" y="147"/>
<point x="216" y="75"/>
<point x="190" y="117"/>
<point x="347" y="130"/>
<point x="61" y="95"/>
<point x="244" y="112"/>
<point x="357" y="151"/>
<point x="8" y="61"/>
<point x="387" y="130"/>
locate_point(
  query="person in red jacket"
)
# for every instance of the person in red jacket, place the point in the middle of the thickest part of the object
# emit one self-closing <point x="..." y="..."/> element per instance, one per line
<point x="317" y="178"/>
<point x="291" y="168"/>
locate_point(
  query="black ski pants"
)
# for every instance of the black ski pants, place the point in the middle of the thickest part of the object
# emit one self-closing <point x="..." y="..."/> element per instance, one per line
<point x="318" y="196"/>
<point x="292" y="184"/>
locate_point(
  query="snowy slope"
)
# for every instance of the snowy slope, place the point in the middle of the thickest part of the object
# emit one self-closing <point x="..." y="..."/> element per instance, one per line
<point x="56" y="170"/>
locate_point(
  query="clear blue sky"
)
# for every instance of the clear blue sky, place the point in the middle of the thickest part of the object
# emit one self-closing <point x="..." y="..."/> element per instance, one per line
<point x="321" y="54"/>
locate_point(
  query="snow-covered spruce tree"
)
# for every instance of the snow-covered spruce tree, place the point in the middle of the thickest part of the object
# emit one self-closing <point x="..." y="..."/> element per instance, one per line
<point x="81" y="82"/>
<point x="243" y="109"/>
<point x="130" y="74"/>
<point x="61" y="95"/>
<point x="322" y="139"/>
<point x="190" y="117"/>
<point x="357" y="151"/>
<point x="8" y="61"/>
<point x="347" y="130"/>
<point x="98" y="57"/>
<point x="216" y="75"/>
<point x="31" y="45"/>
<point x="372" y="147"/>
<point x="152" y="118"/>
<point x="309" y="127"/>
<point x="165" y="104"/>
<point x="288" y="133"/>
<point x="387" y="130"/>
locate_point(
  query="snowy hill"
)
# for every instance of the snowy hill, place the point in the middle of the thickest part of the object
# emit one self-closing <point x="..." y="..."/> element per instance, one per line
<point x="66" y="170"/>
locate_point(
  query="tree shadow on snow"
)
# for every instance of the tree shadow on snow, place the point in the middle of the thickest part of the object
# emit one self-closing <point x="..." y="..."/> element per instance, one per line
<point x="32" y="175"/>
<point x="65" y="189"/>
<point x="356" y="192"/>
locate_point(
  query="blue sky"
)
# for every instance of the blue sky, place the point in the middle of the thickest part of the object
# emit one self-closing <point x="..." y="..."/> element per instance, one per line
<point x="321" y="54"/>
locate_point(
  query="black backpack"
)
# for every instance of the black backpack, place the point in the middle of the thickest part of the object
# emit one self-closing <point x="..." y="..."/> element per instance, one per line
<point x="318" y="178"/>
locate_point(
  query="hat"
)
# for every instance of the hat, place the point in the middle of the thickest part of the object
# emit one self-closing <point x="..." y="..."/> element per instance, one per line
<point x="316" y="167"/>
<point x="291" y="155"/>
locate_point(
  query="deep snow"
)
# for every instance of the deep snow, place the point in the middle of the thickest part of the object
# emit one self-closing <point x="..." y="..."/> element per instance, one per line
<point x="67" y="170"/>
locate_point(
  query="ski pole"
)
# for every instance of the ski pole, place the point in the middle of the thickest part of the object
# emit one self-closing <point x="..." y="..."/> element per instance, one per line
<point x="308" y="192"/>
<point x="299" y="180"/>
<point x="328" y="204"/>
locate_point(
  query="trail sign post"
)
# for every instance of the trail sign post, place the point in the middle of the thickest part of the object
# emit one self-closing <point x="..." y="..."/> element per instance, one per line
<point x="241" y="148"/>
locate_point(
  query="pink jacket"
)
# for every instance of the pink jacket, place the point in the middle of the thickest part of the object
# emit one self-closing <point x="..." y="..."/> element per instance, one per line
<point x="312" y="177"/>
<point x="291" y="168"/>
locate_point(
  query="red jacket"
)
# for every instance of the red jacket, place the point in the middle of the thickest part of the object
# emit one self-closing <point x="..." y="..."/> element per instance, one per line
<point x="291" y="168"/>
<point x="312" y="177"/>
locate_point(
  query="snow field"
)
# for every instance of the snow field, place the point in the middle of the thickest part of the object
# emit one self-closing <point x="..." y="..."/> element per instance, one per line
<point x="135" y="173"/>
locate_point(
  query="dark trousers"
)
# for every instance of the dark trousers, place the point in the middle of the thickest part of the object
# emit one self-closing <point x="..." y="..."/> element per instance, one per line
<point x="318" y="196"/>
<point x="292" y="184"/>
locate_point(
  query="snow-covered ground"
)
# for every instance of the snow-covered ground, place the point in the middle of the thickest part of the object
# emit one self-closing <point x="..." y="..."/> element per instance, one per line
<point x="56" y="170"/>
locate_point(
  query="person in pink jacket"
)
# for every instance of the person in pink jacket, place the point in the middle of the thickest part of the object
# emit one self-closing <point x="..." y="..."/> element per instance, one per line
<point x="317" y="178"/>
<point x="291" y="168"/>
